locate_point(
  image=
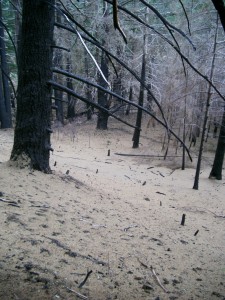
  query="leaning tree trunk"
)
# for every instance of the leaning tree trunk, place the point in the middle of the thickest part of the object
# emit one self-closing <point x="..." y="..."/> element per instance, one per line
<point x="33" y="121"/>
<point x="216" y="171"/>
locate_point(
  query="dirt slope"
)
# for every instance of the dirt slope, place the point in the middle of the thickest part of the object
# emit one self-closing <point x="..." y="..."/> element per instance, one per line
<point x="117" y="216"/>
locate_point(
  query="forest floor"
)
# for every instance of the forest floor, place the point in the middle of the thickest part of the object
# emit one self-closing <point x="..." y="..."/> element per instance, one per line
<point x="117" y="216"/>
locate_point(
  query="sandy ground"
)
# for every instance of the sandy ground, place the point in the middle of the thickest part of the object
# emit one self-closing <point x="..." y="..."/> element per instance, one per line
<point x="117" y="216"/>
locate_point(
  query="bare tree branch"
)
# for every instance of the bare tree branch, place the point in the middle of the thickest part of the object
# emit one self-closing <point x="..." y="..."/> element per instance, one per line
<point x="116" y="20"/>
<point x="181" y="3"/>
<point x="166" y="23"/>
<point x="174" y="47"/>
<point x="122" y="64"/>
<point x="71" y="92"/>
<point x="56" y="70"/>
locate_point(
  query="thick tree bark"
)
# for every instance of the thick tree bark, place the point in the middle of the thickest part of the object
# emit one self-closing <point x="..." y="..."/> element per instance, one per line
<point x="33" y="121"/>
<point x="216" y="171"/>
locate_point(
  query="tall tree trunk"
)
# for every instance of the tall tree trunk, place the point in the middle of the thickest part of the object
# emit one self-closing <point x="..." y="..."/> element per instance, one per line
<point x="5" y="103"/>
<point x="17" y="7"/>
<point x="184" y="124"/>
<point x="118" y="86"/>
<point x="33" y="121"/>
<point x="71" y="101"/>
<point x="198" y="167"/>
<point x="103" y="98"/>
<point x="216" y="171"/>
<point x="57" y="61"/>
<point x="130" y="99"/>
<point x="88" y="88"/>
<point x="137" y="130"/>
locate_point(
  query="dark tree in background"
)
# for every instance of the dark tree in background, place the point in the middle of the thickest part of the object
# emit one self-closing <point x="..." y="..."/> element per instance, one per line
<point x="33" y="124"/>
<point x="103" y="98"/>
<point x="137" y="131"/>
<point x="5" y="105"/>
<point x="58" y="62"/>
<point x="71" y="101"/>
<point x="216" y="171"/>
<point x="217" y="168"/>
<point x="220" y="7"/>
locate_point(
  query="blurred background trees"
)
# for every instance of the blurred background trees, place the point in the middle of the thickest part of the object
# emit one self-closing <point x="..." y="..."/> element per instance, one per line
<point x="173" y="90"/>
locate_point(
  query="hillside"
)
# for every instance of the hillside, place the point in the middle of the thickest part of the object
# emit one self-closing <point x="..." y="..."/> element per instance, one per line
<point x="117" y="216"/>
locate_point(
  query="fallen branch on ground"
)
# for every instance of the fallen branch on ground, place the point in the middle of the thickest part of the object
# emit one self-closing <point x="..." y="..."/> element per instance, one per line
<point x="204" y="210"/>
<point x="145" y="155"/>
<point x="78" y="294"/>
<point x="85" y="279"/>
<point x="157" y="279"/>
<point x="75" y="254"/>
<point x="9" y="202"/>
<point x="154" y="275"/>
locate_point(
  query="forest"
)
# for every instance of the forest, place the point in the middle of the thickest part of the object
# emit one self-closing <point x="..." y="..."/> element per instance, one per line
<point x="112" y="136"/>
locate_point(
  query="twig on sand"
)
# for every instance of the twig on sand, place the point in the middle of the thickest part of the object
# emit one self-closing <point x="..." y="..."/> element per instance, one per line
<point x="130" y="226"/>
<point x="78" y="294"/>
<point x="75" y="254"/>
<point x="158" y="280"/>
<point x="145" y="155"/>
<point x="202" y="209"/>
<point x="154" y="275"/>
<point x="85" y="279"/>
<point x="161" y="193"/>
<point x="10" y="202"/>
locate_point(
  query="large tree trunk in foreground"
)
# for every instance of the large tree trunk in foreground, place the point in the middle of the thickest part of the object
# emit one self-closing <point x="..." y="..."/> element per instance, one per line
<point x="32" y="133"/>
